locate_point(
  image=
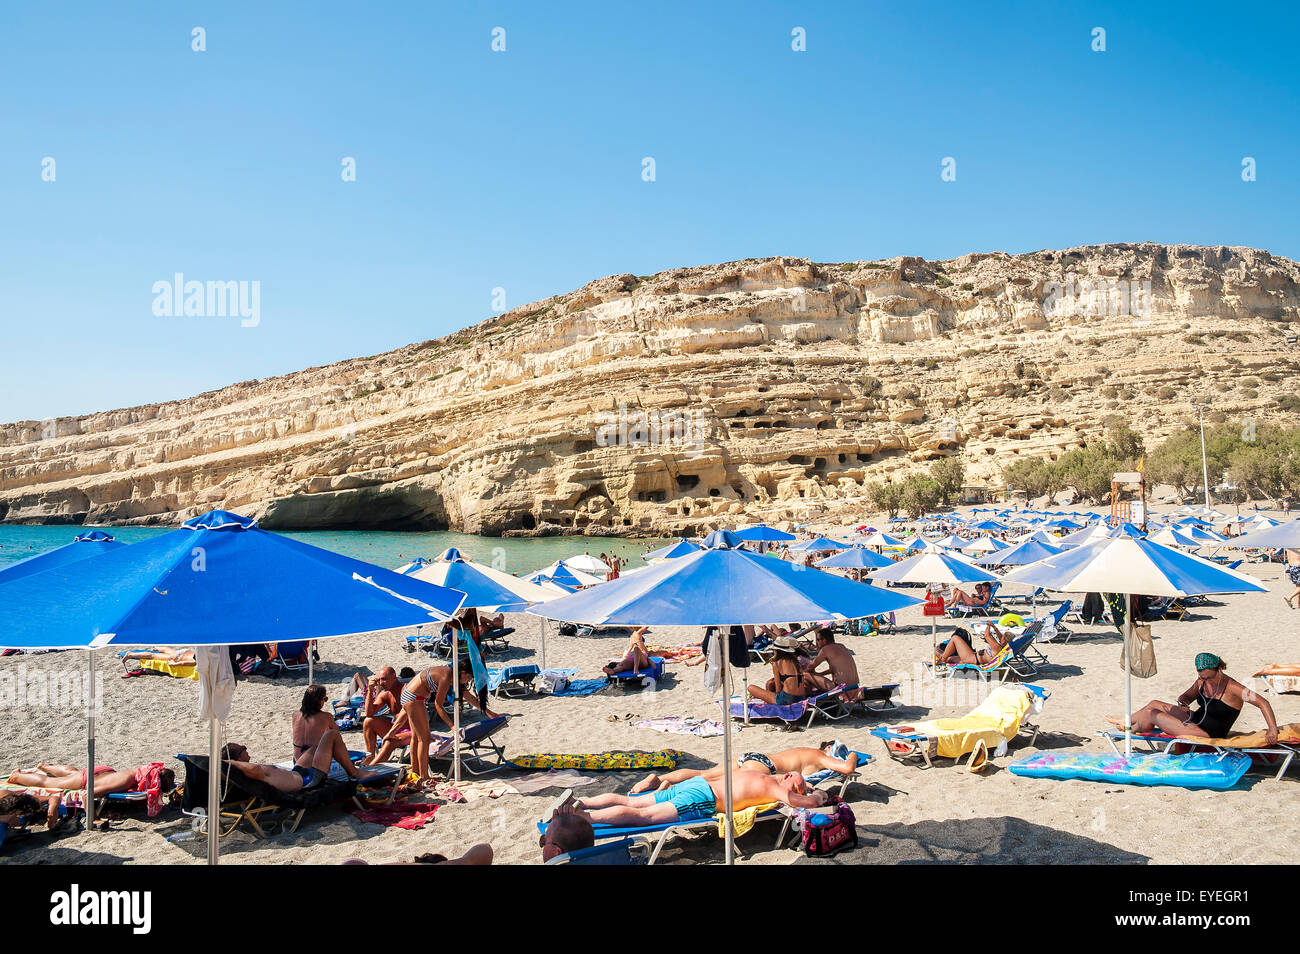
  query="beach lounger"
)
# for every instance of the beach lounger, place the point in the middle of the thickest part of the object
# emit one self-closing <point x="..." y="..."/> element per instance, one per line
<point x="665" y="830"/>
<point x="261" y="805"/>
<point x="291" y="657"/>
<point x="639" y="678"/>
<point x="832" y="705"/>
<point x="994" y="722"/>
<point x="513" y="682"/>
<point x="629" y="851"/>
<point x="479" y="752"/>
<point x="494" y="641"/>
<point x="1280" y="754"/>
<point x="999" y="665"/>
<point x="992" y="608"/>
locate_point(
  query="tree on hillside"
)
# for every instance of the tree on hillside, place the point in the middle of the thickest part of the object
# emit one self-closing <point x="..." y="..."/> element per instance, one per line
<point x="948" y="474"/>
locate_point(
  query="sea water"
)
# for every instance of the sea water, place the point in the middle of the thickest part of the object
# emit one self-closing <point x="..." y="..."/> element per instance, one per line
<point x="384" y="548"/>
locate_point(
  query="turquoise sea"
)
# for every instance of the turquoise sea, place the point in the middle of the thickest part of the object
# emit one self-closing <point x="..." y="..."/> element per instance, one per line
<point x="387" y="549"/>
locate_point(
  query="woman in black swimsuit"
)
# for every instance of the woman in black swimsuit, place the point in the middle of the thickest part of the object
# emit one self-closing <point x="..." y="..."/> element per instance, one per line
<point x="1218" y="699"/>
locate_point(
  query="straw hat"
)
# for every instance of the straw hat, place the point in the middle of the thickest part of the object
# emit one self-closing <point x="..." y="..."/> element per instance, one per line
<point x="785" y="644"/>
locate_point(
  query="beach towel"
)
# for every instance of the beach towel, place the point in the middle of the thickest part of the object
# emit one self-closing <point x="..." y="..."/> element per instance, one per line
<point x="770" y="710"/>
<point x="495" y="677"/>
<point x="148" y="779"/>
<point x="682" y="725"/>
<point x="175" y="670"/>
<point x="466" y="791"/>
<point x="742" y="821"/>
<point x="995" y="721"/>
<point x="616" y="761"/>
<point x="68" y="798"/>
<point x="582" y="687"/>
<point x="1286" y="735"/>
<point x="540" y="781"/>
<point x="411" y="816"/>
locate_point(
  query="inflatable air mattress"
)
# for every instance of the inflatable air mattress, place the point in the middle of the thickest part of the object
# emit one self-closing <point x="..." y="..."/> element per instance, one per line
<point x="1190" y="770"/>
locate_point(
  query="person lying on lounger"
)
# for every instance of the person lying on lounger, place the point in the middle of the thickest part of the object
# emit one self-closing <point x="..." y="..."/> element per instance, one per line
<point x="1218" y="699"/>
<point x="567" y="832"/>
<point x="983" y="593"/>
<point x="786" y="686"/>
<point x="958" y="648"/>
<point x="310" y="769"/>
<point x="832" y="666"/>
<point x="637" y="657"/>
<point x="805" y="761"/>
<point x="177" y="657"/>
<point x="108" y="780"/>
<point x="695" y="799"/>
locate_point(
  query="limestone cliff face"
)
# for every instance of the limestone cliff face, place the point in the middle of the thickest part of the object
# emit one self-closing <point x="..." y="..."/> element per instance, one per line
<point x="697" y="397"/>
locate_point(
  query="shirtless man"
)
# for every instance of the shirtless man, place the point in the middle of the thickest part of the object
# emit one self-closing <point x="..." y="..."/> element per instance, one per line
<point x="309" y="770"/>
<point x="804" y="761"/>
<point x="379" y="709"/>
<point x="840" y="669"/>
<point x="693" y="800"/>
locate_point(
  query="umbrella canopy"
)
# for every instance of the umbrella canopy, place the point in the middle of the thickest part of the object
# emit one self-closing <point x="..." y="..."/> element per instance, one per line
<point x="723" y="585"/>
<point x="1026" y="552"/>
<point x="879" y="539"/>
<point x="84" y="545"/>
<point x="1080" y="537"/>
<point x="984" y="544"/>
<point x="587" y="563"/>
<point x="218" y="580"/>
<point x="1284" y="536"/>
<point x="561" y="572"/>
<point x="951" y="542"/>
<point x="672" y="551"/>
<point x="1170" y="537"/>
<point x="762" y="533"/>
<point x="819" y="545"/>
<point x="1203" y="536"/>
<point x="855" y="558"/>
<point x="934" y="568"/>
<point x="481" y="590"/>
<point x="987" y="525"/>
<point x="556" y="586"/>
<point x="1127" y="564"/>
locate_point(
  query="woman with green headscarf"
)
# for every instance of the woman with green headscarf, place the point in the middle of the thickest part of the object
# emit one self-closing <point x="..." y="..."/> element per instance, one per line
<point x="1218" y="699"/>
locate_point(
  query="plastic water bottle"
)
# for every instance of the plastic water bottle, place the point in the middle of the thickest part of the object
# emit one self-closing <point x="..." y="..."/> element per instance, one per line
<point x="181" y="836"/>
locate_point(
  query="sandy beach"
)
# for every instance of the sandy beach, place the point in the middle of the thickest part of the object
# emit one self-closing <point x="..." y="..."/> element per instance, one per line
<point x="904" y="814"/>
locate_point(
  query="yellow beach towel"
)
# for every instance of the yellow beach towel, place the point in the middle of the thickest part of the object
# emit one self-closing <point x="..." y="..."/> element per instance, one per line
<point x="995" y="720"/>
<point x="742" y="821"/>
<point x="186" y="671"/>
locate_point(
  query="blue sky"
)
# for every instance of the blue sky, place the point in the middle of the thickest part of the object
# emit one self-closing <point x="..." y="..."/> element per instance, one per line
<point x="522" y="169"/>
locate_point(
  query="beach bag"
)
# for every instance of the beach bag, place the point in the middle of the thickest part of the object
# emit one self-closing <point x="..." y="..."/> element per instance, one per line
<point x="1139" y="648"/>
<point x="568" y="629"/>
<point x="830" y="830"/>
<point x="549" y="682"/>
<point x="1293" y="574"/>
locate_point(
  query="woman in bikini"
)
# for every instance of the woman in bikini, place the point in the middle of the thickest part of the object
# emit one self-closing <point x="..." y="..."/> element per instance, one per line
<point x="958" y="648"/>
<point x="435" y="682"/>
<point x="1218" y="699"/>
<point x="637" y="657"/>
<point x="786" y="686"/>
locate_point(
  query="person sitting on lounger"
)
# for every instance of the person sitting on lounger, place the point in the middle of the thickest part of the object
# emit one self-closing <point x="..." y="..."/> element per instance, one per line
<point x="696" y="799"/>
<point x="108" y="780"/>
<point x="805" y="761"/>
<point x="379" y="706"/>
<point x="980" y="598"/>
<point x="310" y="769"/>
<point x="311" y="722"/>
<point x="836" y="664"/>
<point x="958" y="648"/>
<point x="637" y="657"/>
<point x="1218" y="699"/>
<point x="786" y="687"/>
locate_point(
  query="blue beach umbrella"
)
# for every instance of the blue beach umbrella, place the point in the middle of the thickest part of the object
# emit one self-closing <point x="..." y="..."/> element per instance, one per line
<point x="84" y="545"/>
<point x="453" y="571"/>
<point x="880" y="539"/>
<point x="1129" y="564"/>
<point x="762" y="533"/>
<point x="926" y="568"/>
<point x="1027" y="551"/>
<point x="217" y="581"/>
<point x="671" y="552"/>
<point x="723" y="585"/>
<point x="818" y="545"/>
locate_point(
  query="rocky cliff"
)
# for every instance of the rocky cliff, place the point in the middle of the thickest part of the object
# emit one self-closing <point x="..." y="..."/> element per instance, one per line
<point x="770" y="388"/>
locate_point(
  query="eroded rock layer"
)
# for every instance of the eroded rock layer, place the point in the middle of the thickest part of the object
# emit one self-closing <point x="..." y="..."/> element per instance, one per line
<point x="697" y="397"/>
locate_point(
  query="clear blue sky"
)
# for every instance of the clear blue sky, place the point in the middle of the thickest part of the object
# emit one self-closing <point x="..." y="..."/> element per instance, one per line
<point x="522" y="169"/>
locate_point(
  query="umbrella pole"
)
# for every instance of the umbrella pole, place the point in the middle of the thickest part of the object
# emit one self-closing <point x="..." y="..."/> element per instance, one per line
<point x="90" y="741"/>
<point x="726" y="740"/>
<point x="543" y="619"/>
<point x="455" y="710"/>
<point x="214" y="798"/>
<point x="1128" y="677"/>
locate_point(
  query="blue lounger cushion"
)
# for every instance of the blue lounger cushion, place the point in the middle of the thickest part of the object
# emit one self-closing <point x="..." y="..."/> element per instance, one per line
<point x="1188" y="770"/>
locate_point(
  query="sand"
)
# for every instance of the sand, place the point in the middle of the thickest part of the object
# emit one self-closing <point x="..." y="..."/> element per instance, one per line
<point x="904" y="814"/>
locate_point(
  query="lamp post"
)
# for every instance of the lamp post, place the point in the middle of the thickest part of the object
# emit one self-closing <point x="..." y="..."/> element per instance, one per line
<point x="1205" y="468"/>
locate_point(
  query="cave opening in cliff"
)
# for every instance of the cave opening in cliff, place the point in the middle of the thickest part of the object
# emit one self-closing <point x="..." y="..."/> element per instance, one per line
<point x="528" y="522"/>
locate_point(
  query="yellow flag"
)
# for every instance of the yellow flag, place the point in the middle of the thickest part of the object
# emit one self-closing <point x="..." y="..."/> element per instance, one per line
<point x="1142" y="461"/>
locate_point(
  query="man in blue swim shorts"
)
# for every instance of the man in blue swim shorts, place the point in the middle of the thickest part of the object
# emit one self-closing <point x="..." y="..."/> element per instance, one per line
<point x="694" y="799"/>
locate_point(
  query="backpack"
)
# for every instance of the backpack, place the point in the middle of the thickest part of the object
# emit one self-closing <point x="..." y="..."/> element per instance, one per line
<point x="825" y="832"/>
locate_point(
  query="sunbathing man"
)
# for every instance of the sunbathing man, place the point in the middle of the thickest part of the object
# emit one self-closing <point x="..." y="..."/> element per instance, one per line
<point x="637" y="657"/>
<point x="310" y="769"/>
<point x="840" y="667"/>
<point x="177" y="657"/>
<point x="958" y="647"/>
<point x="378" y="707"/>
<point x="805" y="761"/>
<point x="1218" y="698"/>
<point x="694" y="799"/>
<point x="567" y="832"/>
